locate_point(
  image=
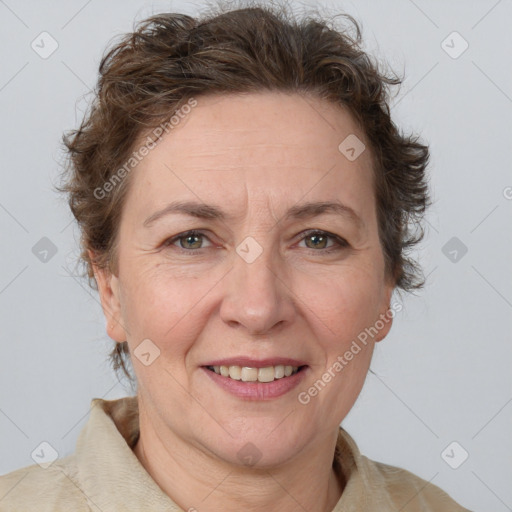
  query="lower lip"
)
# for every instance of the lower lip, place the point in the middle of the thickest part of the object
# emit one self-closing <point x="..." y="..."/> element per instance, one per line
<point x="257" y="390"/>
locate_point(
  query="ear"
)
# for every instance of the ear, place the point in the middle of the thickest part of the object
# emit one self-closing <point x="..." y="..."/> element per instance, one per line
<point x="385" y="316"/>
<point x="108" y="288"/>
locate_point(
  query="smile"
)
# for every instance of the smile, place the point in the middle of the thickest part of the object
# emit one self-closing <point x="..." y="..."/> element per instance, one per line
<point x="256" y="380"/>
<point x="250" y="374"/>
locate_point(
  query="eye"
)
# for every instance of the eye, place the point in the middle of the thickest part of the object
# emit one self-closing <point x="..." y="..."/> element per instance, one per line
<point x="319" y="240"/>
<point x="189" y="241"/>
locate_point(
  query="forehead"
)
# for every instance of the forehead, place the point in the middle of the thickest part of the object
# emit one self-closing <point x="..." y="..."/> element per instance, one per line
<point x="282" y="124"/>
<point x="262" y="144"/>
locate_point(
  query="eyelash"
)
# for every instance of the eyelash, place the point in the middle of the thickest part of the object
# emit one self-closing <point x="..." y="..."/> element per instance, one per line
<point x="340" y="242"/>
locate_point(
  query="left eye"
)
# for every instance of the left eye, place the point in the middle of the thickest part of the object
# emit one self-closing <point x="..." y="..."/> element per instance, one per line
<point x="320" y="239"/>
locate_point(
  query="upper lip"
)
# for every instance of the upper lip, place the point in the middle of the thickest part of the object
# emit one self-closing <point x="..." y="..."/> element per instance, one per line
<point x="256" y="363"/>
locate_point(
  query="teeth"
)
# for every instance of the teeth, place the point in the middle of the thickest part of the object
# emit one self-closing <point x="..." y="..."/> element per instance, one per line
<point x="235" y="372"/>
<point x="278" y="372"/>
<point x="266" y="374"/>
<point x="248" y="374"/>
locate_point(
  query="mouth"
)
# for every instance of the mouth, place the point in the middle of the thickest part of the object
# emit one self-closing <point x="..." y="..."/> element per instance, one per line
<point x="256" y="379"/>
<point x="264" y="374"/>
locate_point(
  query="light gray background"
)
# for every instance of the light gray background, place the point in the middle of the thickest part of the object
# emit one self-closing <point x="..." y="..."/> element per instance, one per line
<point x="444" y="372"/>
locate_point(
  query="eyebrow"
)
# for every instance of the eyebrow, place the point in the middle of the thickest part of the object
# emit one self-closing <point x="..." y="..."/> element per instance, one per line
<point x="299" y="211"/>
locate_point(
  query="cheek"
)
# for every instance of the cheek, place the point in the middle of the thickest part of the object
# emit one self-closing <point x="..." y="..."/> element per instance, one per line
<point x="168" y="310"/>
<point x="340" y="317"/>
<point x="341" y="304"/>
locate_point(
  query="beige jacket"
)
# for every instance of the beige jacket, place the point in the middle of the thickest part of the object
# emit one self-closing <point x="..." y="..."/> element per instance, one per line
<point x="104" y="475"/>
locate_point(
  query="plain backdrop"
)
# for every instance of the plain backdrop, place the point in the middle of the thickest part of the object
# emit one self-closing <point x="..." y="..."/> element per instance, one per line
<point x="442" y="375"/>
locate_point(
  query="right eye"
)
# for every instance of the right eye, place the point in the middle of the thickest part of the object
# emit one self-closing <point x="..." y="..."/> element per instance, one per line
<point x="189" y="241"/>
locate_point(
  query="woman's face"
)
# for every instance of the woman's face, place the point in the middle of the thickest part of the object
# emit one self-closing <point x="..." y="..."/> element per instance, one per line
<point x="260" y="284"/>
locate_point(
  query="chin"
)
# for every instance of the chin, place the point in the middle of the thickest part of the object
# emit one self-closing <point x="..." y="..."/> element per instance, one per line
<point x="258" y="447"/>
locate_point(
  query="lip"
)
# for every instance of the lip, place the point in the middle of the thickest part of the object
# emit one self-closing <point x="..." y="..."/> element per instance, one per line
<point x="256" y="363"/>
<point x="261" y="391"/>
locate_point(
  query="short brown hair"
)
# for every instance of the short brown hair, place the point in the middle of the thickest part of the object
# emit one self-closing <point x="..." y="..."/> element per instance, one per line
<point x="170" y="58"/>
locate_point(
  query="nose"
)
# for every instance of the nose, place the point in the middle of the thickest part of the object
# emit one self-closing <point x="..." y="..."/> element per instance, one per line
<point x="257" y="296"/>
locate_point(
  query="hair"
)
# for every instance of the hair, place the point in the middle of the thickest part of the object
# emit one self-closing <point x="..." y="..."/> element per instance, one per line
<point x="170" y="58"/>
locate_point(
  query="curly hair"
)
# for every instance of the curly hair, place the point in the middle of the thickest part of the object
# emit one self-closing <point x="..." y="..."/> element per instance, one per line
<point x="170" y="58"/>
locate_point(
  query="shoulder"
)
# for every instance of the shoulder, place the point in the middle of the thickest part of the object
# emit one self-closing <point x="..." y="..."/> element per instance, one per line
<point x="377" y="486"/>
<point x="43" y="489"/>
<point x="407" y="491"/>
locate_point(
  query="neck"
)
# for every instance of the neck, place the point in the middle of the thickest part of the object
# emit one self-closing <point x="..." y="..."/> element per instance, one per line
<point x="198" y="481"/>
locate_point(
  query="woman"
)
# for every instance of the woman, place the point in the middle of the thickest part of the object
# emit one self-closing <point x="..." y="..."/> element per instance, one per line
<point x="246" y="205"/>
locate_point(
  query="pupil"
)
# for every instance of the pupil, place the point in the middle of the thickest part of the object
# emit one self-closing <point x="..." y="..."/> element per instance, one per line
<point x="190" y="239"/>
<point x="317" y="237"/>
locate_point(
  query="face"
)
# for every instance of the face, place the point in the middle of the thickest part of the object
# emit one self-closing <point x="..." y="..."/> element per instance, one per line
<point x="267" y="279"/>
